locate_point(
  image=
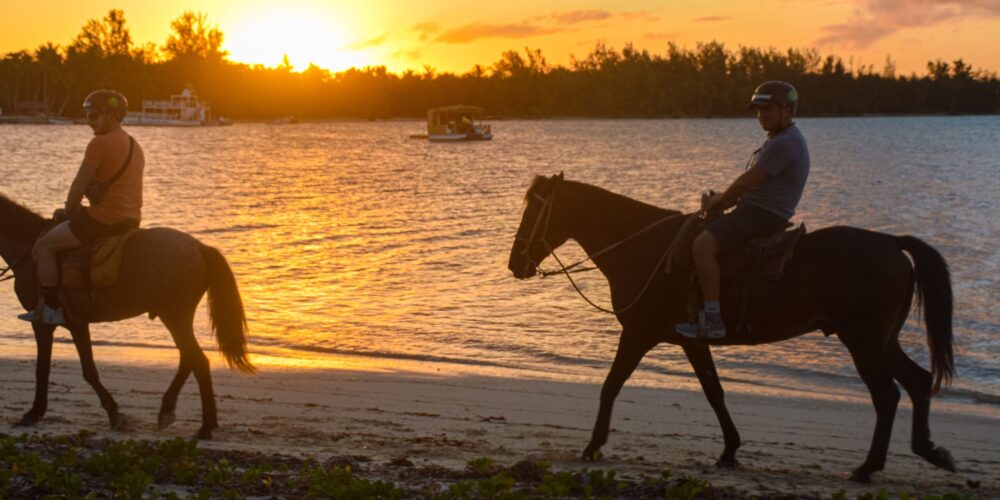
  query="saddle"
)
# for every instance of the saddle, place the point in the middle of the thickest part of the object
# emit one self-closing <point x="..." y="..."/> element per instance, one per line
<point x="760" y="263"/>
<point x="94" y="265"/>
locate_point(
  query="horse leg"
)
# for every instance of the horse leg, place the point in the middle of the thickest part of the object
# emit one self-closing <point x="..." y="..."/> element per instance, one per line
<point x="168" y="407"/>
<point x="917" y="382"/>
<point x="81" y="338"/>
<point x="700" y="357"/>
<point x="872" y="363"/>
<point x="631" y="349"/>
<point x="181" y="327"/>
<point x="43" y="340"/>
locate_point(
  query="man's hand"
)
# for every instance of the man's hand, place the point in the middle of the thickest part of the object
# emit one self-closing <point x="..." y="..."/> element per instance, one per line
<point x="710" y="200"/>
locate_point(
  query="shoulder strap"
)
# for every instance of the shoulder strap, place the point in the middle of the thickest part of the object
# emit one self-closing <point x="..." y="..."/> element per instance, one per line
<point x="128" y="159"/>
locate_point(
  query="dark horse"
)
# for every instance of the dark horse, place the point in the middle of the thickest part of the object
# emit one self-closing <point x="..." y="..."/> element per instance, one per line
<point x="846" y="281"/>
<point x="165" y="273"/>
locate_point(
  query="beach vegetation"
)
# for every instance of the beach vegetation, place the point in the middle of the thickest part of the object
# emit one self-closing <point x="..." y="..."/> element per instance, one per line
<point x="709" y="79"/>
<point x="84" y="466"/>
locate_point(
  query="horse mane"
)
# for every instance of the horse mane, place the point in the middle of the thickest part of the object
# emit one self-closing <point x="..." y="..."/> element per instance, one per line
<point x="17" y="221"/>
<point x="604" y="195"/>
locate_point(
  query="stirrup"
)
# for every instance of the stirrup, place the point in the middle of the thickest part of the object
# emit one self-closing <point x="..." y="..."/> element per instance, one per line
<point x="44" y="314"/>
<point x="700" y="330"/>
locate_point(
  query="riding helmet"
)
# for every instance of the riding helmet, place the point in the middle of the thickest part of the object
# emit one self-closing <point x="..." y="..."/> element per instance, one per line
<point x="107" y="100"/>
<point x="775" y="92"/>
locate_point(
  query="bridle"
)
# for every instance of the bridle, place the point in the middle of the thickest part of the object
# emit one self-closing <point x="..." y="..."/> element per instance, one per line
<point x="542" y="221"/>
<point x="544" y="215"/>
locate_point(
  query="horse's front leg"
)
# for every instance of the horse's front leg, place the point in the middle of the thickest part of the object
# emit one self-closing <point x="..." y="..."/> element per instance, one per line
<point x="631" y="349"/>
<point x="701" y="360"/>
<point x="81" y="338"/>
<point x="43" y="340"/>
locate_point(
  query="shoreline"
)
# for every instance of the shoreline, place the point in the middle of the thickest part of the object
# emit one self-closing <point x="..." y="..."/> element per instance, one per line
<point x="791" y="445"/>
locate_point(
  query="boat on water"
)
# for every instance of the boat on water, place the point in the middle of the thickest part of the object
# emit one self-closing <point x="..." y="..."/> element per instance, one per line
<point x="181" y="110"/>
<point x="456" y="123"/>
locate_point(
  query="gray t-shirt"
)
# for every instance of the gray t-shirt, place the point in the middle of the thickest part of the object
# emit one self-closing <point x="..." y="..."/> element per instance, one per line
<point x="785" y="157"/>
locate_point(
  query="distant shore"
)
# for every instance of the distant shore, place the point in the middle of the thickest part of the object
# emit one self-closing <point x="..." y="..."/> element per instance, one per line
<point x="387" y="419"/>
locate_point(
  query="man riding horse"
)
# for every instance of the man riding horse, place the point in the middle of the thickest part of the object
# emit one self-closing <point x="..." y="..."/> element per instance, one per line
<point x="766" y="195"/>
<point x="110" y="176"/>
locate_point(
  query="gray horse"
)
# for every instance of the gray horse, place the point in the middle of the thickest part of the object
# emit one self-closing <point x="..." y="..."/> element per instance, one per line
<point x="164" y="273"/>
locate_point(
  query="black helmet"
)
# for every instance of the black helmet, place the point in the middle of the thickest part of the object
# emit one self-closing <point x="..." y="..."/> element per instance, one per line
<point x="107" y="100"/>
<point x="775" y="92"/>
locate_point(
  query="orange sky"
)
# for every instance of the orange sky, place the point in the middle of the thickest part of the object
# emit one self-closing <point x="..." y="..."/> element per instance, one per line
<point x="454" y="35"/>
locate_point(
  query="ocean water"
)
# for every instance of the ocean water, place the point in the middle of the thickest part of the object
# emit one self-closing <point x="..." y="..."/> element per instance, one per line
<point x="351" y="241"/>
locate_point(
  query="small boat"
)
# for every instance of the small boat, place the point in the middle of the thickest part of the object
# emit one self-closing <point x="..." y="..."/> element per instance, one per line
<point x="456" y="123"/>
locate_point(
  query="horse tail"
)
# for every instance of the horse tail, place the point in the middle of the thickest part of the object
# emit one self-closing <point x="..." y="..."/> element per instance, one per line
<point x="225" y="310"/>
<point x="935" y="296"/>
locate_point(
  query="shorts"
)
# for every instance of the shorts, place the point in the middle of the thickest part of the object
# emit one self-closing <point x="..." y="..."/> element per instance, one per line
<point x="733" y="230"/>
<point x="88" y="230"/>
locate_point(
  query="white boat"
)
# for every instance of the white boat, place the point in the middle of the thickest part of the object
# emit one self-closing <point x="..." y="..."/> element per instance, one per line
<point x="456" y="123"/>
<point x="181" y="110"/>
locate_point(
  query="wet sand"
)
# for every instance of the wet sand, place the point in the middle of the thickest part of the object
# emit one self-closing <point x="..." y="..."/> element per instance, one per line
<point x="791" y="446"/>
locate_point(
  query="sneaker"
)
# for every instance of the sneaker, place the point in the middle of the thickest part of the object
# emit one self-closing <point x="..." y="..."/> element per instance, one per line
<point x="703" y="329"/>
<point x="44" y="314"/>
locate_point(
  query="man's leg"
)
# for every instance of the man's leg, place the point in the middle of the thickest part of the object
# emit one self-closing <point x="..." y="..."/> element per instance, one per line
<point x="706" y="249"/>
<point x="56" y="240"/>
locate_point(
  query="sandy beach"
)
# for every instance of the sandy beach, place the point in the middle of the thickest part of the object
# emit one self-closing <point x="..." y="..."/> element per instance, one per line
<point x="795" y="446"/>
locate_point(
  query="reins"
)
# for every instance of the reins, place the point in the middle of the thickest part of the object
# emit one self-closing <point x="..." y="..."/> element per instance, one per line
<point x="546" y="213"/>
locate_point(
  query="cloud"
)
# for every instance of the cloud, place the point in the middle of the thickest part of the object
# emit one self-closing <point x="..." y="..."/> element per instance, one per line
<point x="876" y="19"/>
<point x="661" y="36"/>
<point x="649" y="16"/>
<point x="580" y="16"/>
<point x="364" y="44"/>
<point x="476" y="31"/>
<point x="425" y="30"/>
<point x="712" y="19"/>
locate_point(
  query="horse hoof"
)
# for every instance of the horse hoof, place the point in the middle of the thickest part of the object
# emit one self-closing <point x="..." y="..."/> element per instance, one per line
<point x="29" y="420"/>
<point x="859" y="476"/>
<point x="591" y="455"/>
<point x="942" y="458"/>
<point x="727" y="463"/>
<point x="204" y="433"/>
<point x="118" y="422"/>
<point x="164" y="420"/>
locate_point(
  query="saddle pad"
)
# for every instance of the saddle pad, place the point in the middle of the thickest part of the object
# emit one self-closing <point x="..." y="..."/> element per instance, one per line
<point x="106" y="259"/>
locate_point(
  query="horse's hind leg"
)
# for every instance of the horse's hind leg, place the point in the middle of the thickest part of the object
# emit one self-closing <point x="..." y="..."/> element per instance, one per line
<point x="81" y="338"/>
<point x="169" y="406"/>
<point x="43" y="365"/>
<point x="182" y="329"/>
<point x="917" y="382"/>
<point x="872" y="363"/>
<point x="701" y="360"/>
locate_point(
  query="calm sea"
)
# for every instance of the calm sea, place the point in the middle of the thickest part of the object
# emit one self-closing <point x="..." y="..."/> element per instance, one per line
<point x="351" y="241"/>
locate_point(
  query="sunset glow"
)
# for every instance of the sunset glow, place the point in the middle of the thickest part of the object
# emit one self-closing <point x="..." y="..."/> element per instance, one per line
<point x="306" y="35"/>
<point x="451" y="37"/>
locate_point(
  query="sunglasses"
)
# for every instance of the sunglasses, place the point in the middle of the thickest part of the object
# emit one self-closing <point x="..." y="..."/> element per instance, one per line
<point x="93" y="115"/>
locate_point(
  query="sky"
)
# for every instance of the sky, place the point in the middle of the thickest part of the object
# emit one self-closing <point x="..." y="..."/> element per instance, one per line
<point x="453" y="36"/>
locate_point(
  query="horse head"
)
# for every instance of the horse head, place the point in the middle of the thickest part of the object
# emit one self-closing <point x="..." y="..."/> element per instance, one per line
<point x="543" y="228"/>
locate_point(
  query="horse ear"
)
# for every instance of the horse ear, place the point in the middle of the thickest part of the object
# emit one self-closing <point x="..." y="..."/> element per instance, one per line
<point x="560" y="176"/>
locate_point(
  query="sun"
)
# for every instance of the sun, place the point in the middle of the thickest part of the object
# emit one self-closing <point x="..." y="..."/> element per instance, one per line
<point x="305" y="36"/>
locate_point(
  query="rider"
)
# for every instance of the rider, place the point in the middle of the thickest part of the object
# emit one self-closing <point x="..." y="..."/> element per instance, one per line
<point x="766" y="195"/>
<point x="113" y="163"/>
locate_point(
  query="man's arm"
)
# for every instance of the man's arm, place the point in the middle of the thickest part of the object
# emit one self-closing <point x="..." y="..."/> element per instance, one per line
<point x="79" y="186"/>
<point x="748" y="179"/>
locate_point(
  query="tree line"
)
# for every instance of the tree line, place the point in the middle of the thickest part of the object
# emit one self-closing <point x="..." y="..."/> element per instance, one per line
<point x="709" y="80"/>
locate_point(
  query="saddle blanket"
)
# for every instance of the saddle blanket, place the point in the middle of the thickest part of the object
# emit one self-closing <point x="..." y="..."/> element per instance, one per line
<point x="105" y="261"/>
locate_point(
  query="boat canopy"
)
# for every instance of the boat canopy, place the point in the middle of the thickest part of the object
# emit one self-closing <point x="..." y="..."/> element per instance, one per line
<point x="439" y="118"/>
